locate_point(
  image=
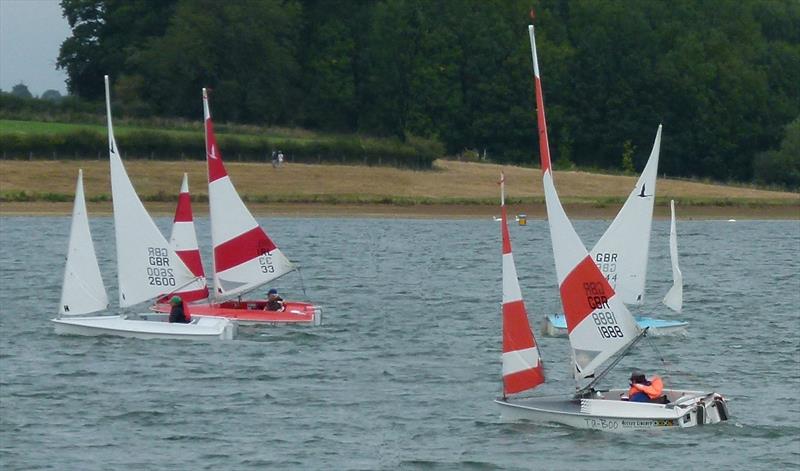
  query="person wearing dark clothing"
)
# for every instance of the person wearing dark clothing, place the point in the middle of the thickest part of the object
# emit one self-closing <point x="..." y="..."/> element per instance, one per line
<point x="274" y="302"/>
<point x="177" y="314"/>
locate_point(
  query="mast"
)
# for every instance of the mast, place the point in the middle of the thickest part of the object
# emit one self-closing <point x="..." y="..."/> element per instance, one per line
<point x="598" y="323"/>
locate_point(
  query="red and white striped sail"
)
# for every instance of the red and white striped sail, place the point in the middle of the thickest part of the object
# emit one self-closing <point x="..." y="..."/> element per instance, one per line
<point x="598" y="323"/>
<point x="184" y="242"/>
<point x="147" y="266"/>
<point x="244" y="255"/>
<point x="522" y="365"/>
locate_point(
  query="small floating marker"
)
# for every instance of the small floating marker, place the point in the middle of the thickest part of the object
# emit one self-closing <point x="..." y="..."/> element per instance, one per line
<point x="731" y="220"/>
<point x="522" y="219"/>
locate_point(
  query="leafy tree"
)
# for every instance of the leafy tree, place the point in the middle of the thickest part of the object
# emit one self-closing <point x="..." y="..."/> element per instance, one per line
<point x="52" y="95"/>
<point x="21" y="90"/>
<point x="782" y="166"/>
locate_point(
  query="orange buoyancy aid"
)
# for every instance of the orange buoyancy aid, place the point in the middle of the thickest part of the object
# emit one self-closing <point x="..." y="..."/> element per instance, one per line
<point x="654" y="391"/>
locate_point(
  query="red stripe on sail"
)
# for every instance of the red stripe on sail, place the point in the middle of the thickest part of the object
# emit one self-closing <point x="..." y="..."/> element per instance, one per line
<point x="584" y="290"/>
<point x="183" y="213"/>
<point x="195" y="295"/>
<point x="216" y="169"/>
<point x="192" y="260"/>
<point x="506" y="238"/>
<point x="523" y="380"/>
<point x="544" y="144"/>
<point x="517" y="333"/>
<point x="242" y="248"/>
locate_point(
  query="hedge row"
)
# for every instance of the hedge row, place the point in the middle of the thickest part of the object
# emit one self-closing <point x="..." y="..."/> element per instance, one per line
<point x="157" y="145"/>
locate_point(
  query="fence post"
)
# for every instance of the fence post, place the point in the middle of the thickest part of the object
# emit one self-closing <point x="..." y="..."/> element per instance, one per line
<point x="30" y="155"/>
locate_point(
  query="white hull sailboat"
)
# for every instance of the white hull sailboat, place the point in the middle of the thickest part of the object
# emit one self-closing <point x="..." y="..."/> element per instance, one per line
<point x="621" y="254"/>
<point x="147" y="269"/>
<point x="600" y="329"/>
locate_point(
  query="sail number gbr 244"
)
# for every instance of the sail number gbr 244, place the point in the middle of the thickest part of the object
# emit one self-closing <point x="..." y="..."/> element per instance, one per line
<point x="604" y="320"/>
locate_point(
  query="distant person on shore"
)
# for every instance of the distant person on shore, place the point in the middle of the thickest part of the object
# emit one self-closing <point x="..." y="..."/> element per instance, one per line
<point x="274" y="302"/>
<point x="280" y="158"/>
<point x="177" y="314"/>
<point x="274" y="159"/>
<point x="644" y="390"/>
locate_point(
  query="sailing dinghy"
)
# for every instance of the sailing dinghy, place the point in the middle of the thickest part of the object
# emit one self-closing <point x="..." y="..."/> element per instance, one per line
<point x="622" y="252"/>
<point x="600" y="328"/>
<point x="147" y="268"/>
<point x="245" y="257"/>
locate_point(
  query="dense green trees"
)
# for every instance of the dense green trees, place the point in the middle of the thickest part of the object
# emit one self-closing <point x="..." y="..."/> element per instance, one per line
<point x="720" y="75"/>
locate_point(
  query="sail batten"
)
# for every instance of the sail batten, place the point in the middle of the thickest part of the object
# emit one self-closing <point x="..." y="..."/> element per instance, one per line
<point x="522" y="365"/>
<point x="82" y="291"/>
<point x="244" y="255"/>
<point x="598" y="322"/>
<point x="147" y="267"/>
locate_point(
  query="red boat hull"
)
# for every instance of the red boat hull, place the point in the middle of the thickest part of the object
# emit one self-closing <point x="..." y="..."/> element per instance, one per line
<point x="252" y="312"/>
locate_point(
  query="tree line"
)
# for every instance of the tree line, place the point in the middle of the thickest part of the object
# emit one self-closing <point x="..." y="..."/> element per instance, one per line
<point x="721" y="75"/>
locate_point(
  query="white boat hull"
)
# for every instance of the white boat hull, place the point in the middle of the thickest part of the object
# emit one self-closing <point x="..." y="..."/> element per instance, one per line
<point x="147" y="327"/>
<point x="609" y="413"/>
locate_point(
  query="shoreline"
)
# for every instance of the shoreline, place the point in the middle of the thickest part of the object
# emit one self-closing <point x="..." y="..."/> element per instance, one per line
<point x="535" y="211"/>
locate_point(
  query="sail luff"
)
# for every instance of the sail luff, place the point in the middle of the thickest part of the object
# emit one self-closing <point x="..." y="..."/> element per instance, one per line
<point x="244" y="255"/>
<point x="147" y="267"/>
<point x="522" y="364"/>
<point x="674" y="297"/>
<point x="82" y="291"/>
<point x="598" y="323"/>
<point x="622" y="252"/>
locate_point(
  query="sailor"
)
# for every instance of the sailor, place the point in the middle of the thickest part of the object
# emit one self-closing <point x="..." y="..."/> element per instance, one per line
<point x="643" y="390"/>
<point x="177" y="313"/>
<point x="274" y="302"/>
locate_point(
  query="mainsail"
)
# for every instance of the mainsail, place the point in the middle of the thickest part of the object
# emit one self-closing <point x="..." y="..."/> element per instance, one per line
<point x="147" y="266"/>
<point x="674" y="297"/>
<point x="522" y="365"/>
<point x="83" y="291"/>
<point x="184" y="241"/>
<point x="244" y="256"/>
<point x="598" y="322"/>
<point x="622" y="252"/>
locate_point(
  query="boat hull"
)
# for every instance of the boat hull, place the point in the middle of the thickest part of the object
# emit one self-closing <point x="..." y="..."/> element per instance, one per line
<point x="611" y="414"/>
<point x="252" y="312"/>
<point x="143" y="328"/>
<point x="555" y="325"/>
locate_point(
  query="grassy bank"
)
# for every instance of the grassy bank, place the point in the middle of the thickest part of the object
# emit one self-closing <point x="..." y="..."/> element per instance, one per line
<point x="452" y="187"/>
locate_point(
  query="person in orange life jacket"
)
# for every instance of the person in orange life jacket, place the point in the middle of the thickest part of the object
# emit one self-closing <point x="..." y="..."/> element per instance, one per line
<point x="643" y="390"/>
<point x="274" y="302"/>
<point x="177" y="312"/>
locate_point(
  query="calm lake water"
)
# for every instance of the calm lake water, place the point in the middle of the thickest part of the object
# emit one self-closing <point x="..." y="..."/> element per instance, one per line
<point x="403" y="372"/>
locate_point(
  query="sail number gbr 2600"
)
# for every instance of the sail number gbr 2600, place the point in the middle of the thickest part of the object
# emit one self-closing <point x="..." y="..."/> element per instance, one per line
<point x="159" y="273"/>
<point x="605" y="320"/>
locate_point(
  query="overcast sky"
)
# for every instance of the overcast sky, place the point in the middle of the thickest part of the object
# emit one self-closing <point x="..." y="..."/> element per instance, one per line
<point x="31" y="31"/>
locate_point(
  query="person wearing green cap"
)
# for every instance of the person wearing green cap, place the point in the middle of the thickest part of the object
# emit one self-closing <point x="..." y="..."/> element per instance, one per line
<point x="177" y="313"/>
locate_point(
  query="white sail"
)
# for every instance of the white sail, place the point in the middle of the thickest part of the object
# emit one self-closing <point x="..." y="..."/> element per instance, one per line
<point x="598" y="323"/>
<point x="83" y="291"/>
<point x="244" y="255"/>
<point x="622" y="252"/>
<point x="674" y="297"/>
<point x="147" y="266"/>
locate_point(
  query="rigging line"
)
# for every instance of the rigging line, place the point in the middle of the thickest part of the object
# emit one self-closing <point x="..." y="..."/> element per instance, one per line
<point x="660" y="356"/>
<point x="302" y="282"/>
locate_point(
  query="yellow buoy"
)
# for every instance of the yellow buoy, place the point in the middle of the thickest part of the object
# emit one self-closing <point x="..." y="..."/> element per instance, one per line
<point x="522" y="219"/>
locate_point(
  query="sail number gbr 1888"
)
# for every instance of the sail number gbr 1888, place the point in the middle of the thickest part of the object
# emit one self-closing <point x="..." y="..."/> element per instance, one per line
<point x="604" y="320"/>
